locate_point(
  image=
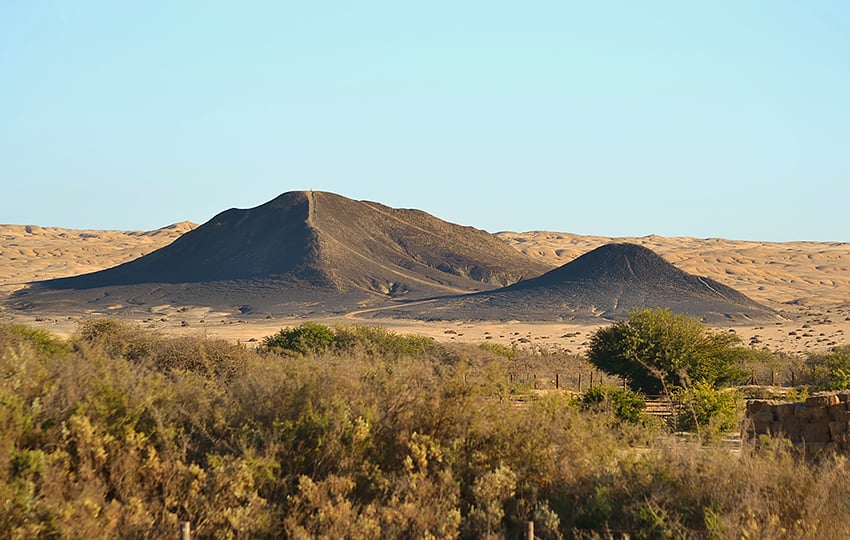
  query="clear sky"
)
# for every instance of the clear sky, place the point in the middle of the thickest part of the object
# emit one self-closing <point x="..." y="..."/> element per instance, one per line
<point x="709" y="119"/>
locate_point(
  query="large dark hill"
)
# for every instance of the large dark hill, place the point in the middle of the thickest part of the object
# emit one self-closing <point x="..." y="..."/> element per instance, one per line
<point x="607" y="282"/>
<point x="272" y="239"/>
<point x="324" y="242"/>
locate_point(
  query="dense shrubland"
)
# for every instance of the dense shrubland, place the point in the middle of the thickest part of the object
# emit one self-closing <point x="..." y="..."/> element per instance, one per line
<point x="361" y="433"/>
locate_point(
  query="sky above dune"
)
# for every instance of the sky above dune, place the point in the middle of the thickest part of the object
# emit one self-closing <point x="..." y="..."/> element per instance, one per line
<point x="712" y="119"/>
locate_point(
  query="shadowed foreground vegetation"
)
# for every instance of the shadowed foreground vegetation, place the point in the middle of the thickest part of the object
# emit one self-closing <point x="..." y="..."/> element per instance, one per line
<point x="121" y="433"/>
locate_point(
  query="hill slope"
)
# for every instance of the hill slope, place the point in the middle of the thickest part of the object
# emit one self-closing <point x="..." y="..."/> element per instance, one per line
<point x="304" y="244"/>
<point x="811" y="274"/>
<point x="607" y="282"/>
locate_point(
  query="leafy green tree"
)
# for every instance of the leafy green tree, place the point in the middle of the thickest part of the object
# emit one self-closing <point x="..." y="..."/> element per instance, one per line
<point x="656" y="348"/>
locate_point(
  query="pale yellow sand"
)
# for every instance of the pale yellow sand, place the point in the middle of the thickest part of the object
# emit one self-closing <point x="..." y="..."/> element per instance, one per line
<point x="31" y="253"/>
<point x="808" y="281"/>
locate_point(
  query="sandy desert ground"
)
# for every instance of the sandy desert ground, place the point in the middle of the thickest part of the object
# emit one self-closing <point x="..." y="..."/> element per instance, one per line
<point x="808" y="282"/>
<point x="31" y="253"/>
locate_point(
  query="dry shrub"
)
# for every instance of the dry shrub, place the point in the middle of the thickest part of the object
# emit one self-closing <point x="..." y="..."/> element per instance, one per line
<point x="688" y="491"/>
<point x="127" y="433"/>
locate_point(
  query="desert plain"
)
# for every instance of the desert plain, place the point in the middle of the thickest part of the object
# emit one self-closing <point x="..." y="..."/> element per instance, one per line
<point x="807" y="283"/>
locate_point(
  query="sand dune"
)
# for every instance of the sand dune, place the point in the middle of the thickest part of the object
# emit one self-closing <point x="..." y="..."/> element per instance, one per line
<point x="815" y="274"/>
<point x="31" y="253"/>
<point x="808" y="281"/>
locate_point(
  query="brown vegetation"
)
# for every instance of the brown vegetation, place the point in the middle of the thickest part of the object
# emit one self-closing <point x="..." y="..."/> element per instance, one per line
<point x="119" y="432"/>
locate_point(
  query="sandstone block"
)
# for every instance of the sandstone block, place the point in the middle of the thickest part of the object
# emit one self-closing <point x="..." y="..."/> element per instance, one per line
<point x="795" y="436"/>
<point x="837" y="427"/>
<point x="822" y="400"/>
<point x="763" y="417"/>
<point x="815" y="433"/>
<point x="842" y="438"/>
<point x="804" y="414"/>
<point x="819" y="413"/>
<point x="839" y="414"/>
<point x="838" y="407"/>
<point x="762" y="428"/>
<point x="757" y="405"/>
<point x="785" y="411"/>
<point x="792" y="426"/>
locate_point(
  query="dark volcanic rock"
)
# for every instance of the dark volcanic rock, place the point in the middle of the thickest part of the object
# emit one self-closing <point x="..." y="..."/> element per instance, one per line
<point x="607" y="282"/>
<point x="317" y="241"/>
<point x="270" y="240"/>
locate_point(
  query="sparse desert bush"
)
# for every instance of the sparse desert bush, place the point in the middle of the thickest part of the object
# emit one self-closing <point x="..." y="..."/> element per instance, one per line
<point x="498" y="349"/>
<point x="203" y="355"/>
<point x="100" y="442"/>
<point x="216" y="357"/>
<point x="117" y="339"/>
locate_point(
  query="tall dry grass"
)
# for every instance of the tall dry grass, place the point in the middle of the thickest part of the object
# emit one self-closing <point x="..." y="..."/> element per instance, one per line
<point x="119" y="433"/>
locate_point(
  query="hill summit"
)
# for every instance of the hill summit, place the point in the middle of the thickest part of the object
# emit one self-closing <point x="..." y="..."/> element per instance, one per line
<point x="607" y="282"/>
<point x="627" y="264"/>
<point x="327" y="242"/>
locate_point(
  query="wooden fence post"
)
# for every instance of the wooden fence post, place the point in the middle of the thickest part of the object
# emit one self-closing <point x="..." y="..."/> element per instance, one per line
<point x="579" y="381"/>
<point x="530" y="533"/>
<point x="591" y="380"/>
<point x="185" y="530"/>
<point x="557" y="382"/>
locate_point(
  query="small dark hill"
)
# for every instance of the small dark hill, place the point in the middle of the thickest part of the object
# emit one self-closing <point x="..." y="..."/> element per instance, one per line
<point x="607" y="282"/>
<point x="320" y="241"/>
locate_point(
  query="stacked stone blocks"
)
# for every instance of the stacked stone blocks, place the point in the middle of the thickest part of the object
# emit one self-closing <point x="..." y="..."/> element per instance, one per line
<point x="822" y="423"/>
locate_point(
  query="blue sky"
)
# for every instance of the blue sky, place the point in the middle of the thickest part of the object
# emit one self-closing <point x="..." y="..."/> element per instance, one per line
<point x="714" y="119"/>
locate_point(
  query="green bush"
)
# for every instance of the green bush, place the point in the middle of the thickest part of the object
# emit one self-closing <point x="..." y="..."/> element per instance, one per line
<point x="656" y="347"/>
<point x="315" y="338"/>
<point x="42" y="341"/>
<point x="709" y="410"/>
<point x="305" y="338"/>
<point x="374" y="340"/>
<point x="830" y="370"/>
<point x="625" y="404"/>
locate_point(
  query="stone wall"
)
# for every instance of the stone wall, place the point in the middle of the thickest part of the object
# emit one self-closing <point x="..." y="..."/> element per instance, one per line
<point x="822" y="423"/>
